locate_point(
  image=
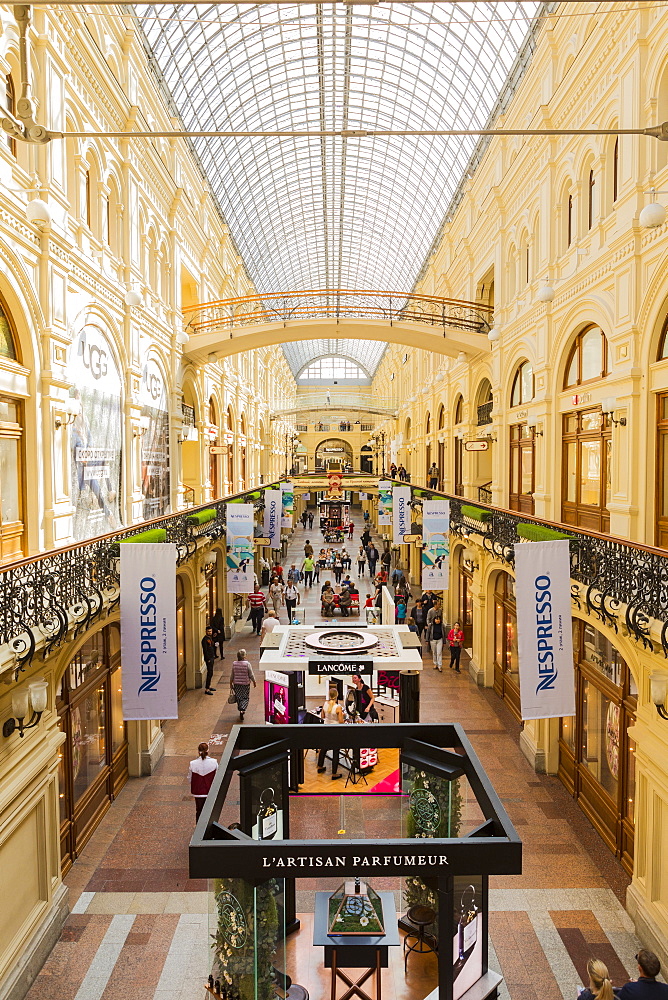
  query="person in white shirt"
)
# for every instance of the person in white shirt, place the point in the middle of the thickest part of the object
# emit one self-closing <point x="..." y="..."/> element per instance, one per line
<point x="269" y="623"/>
<point x="291" y="595"/>
<point x="202" y="771"/>
<point x="276" y="595"/>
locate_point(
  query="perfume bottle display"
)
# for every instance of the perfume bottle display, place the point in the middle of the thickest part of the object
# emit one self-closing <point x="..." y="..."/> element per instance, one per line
<point x="267" y="816"/>
<point x="467" y="928"/>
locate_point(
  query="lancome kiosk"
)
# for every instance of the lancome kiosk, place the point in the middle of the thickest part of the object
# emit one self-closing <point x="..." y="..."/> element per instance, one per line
<point x="401" y="879"/>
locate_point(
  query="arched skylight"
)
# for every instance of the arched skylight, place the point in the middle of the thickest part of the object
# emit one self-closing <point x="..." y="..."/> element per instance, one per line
<point x="320" y="212"/>
<point x="333" y="368"/>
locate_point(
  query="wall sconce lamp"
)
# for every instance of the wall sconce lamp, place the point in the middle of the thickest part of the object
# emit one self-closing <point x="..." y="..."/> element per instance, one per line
<point x="658" y="685"/>
<point x="68" y="413"/>
<point x="209" y="563"/>
<point x="470" y="558"/>
<point x="24" y="699"/>
<point x="608" y="406"/>
<point x="534" y="425"/>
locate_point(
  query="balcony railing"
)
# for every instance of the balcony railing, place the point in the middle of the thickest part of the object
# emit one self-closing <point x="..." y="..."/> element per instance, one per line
<point x="485" y="413"/>
<point x="46" y="598"/>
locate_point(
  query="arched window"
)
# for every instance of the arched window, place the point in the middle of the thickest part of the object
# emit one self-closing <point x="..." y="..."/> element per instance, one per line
<point x="527" y="264"/>
<point x="590" y="199"/>
<point x="663" y="342"/>
<point x="427" y="423"/>
<point x="441" y="417"/>
<point x="588" y="359"/>
<point x="523" y="385"/>
<point x="10" y="104"/>
<point x="333" y="368"/>
<point x="484" y="403"/>
<point x="7" y="341"/>
<point x="88" y="204"/>
<point x="459" y="409"/>
<point x="615" y="170"/>
<point x="569" y="221"/>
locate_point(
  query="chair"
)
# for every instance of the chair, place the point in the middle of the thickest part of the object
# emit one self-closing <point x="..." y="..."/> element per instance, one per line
<point x="421" y="916"/>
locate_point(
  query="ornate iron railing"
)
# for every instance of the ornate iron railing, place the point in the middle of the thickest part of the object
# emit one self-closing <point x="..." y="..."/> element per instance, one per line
<point x="485" y="493"/>
<point x="47" y="598"/>
<point x="339" y="303"/>
<point x="485" y="413"/>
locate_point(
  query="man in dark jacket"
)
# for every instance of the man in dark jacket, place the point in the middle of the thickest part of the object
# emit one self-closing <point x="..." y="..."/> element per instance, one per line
<point x="372" y="556"/>
<point x="209" y="654"/>
<point x="419" y="617"/>
<point x="645" y="987"/>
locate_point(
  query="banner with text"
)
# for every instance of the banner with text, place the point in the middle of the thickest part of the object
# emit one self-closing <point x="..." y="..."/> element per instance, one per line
<point x="401" y="513"/>
<point x="272" y="516"/>
<point x="384" y="503"/>
<point x="148" y="630"/>
<point x="544" y="629"/>
<point x="240" y="547"/>
<point x="435" y="544"/>
<point x="288" y="504"/>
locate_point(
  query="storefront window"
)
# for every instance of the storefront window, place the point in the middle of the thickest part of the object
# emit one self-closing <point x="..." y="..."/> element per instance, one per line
<point x="589" y="357"/>
<point x="506" y="666"/>
<point x="88" y="741"/>
<point x="631" y="781"/>
<point x="155" y="442"/>
<point x="117" y="723"/>
<point x="567" y="731"/>
<point x="181" y="637"/>
<point x="86" y="661"/>
<point x="600" y="738"/>
<point x="7" y="342"/>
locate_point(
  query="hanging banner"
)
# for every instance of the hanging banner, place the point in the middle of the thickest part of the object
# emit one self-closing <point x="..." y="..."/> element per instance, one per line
<point x="240" y="547"/>
<point x="384" y="502"/>
<point x="272" y="516"/>
<point x="288" y="504"/>
<point x="401" y="513"/>
<point x="155" y="441"/>
<point x="435" y="544"/>
<point x="96" y="435"/>
<point x="148" y="630"/>
<point x="544" y="629"/>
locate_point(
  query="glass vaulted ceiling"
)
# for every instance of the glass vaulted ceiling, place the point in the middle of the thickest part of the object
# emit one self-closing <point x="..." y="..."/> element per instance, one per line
<point x="313" y="213"/>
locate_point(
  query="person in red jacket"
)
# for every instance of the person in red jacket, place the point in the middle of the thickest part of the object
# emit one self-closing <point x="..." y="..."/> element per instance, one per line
<point x="455" y="640"/>
<point x="202" y="771"/>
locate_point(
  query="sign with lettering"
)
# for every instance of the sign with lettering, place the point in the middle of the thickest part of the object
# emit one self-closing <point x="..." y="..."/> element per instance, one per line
<point x="401" y="513"/>
<point x="148" y="630"/>
<point x="240" y="551"/>
<point x="581" y="398"/>
<point x="544" y="629"/>
<point x="480" y="445"/>
<point x="272" y="516"/>
<point x="339" y="667"/>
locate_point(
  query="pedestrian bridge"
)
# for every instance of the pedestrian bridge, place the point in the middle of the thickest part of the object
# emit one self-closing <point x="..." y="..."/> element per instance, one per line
<point x="430" y="322"/>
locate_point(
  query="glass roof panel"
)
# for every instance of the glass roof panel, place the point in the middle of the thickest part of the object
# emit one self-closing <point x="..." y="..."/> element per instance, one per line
<point x="330" y="212"/>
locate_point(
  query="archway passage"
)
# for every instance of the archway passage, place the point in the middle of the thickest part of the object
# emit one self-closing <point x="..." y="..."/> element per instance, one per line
<point x="431" y="322"/>
<point x="333" y="453"/>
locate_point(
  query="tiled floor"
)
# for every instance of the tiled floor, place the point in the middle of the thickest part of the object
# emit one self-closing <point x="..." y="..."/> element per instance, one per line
<point x="139" y="926"/>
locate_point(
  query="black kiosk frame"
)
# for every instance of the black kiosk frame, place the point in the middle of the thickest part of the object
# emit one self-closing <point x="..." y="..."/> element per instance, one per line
<point x="455" y="868"/>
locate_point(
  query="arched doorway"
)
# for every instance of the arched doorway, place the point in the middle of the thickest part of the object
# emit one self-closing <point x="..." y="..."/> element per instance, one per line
<point x="214" y="461"/>
<point x="366" y="458"/>
<point x="12" y="501"/>
<point x="94" y="762"/>
<point x="506" y="664"/>
<point x="333" y="453"/>
<point x="596" y="754"/>
<point x="230" y="449"/>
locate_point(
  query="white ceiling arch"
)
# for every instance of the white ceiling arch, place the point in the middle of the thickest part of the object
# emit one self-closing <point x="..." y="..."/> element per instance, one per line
<point x="333" y="212"/>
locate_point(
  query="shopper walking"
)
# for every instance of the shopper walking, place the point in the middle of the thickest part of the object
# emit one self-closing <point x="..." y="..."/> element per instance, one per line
<point x="433" y="476"/>
<point x="332" y="715"/>
<point x="258" y="606"/>
<point x="307" y="567"/>
<point x="372" y="555"/>
<point x="455" y="640"/>
<point x="361" y="561"/>
<point x="419" y="617"/>
<point x="338" y="568"/>
<point x="218" y="626"/>
<point x="276" y="595"/>
<point x="435" y="640"/>
<point x="310" y="519"/>
<point x="308" y="548"/>
<point x="269" y="623"/>
<point x="241" y="679"/>
<point x="351" y="528"/>
<point x="291" y="595"/>
<point x="209" y="654"/>
<point x="201" y="771"/>
<point x="304" y="519"/>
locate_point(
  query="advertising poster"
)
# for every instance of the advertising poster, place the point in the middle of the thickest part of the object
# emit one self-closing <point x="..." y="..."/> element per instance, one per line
<point x="154" y="442"/>
<point x="240" y="547"/>
<point x="384" y="502"/>
<point x="401" y="513"/>
<point x="272" y="516"/>
<point x="544" y="629"/>
<point x="276" y="711"/>
<point x="467" y="941"/>
<point x="96" y="435"/>
<point x="148" y="630"/>
<point x="262" y="789"/>
<point x="435" y="544"/>
<point x="288" y="505"/>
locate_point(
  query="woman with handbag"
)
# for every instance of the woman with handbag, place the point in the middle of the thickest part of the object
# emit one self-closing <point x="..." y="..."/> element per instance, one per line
<point x="241" y="679"/>
<point x="455" y="641"/>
